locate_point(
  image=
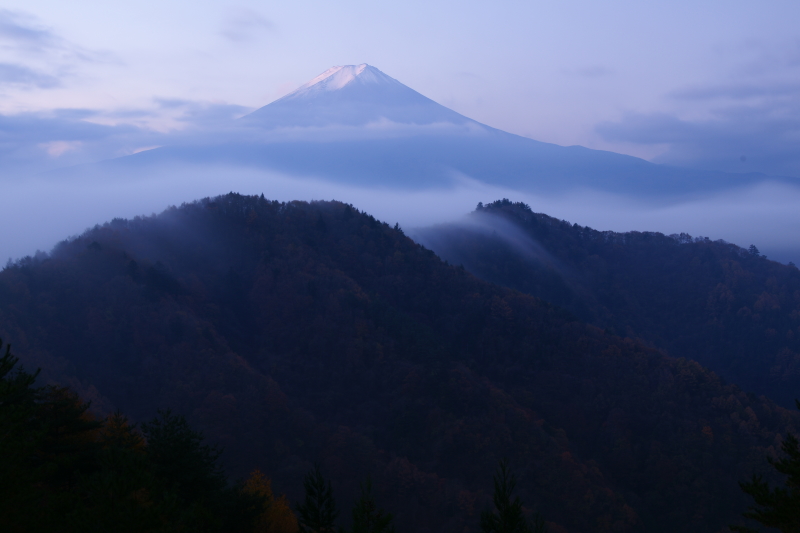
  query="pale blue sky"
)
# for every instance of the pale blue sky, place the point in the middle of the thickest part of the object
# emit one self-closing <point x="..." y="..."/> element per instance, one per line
<point x="694" y="83"/>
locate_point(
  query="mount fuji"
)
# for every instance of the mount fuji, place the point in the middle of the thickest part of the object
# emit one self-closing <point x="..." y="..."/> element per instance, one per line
<point x="356" y="125"/>
<point x="352" y="96"/>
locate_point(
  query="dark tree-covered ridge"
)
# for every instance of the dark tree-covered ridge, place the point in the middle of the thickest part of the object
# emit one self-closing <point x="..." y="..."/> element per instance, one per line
<point x="295" y="333"/>
<point x="727" y="307"/>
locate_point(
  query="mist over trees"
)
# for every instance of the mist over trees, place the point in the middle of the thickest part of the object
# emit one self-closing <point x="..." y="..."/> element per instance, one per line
<point x="294" y="334"/>
<point x="727" y="307"/>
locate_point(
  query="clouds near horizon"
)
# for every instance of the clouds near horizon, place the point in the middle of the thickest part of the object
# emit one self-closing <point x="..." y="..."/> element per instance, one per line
<point x="746" y="119"/>
<point x="33" y="142"/>
<point x="712" y="85"/>
<point x="742" y="138"/>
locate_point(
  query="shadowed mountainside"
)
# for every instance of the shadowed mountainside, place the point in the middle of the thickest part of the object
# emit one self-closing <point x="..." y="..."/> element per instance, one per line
<point x="726" y="307"/>
<point x="296" y="332"/>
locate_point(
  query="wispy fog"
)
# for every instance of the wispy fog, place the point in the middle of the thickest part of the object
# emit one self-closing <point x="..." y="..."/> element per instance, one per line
<point x="38" y="213"/>
<point x="764" y="214"/>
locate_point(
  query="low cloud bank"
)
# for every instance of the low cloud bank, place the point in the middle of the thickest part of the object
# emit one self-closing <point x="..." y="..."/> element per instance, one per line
<point x="747" y="121"/>
<point x="764" y="214"/>
<point x="741" y="139"/>
<point x="35" y="142"/>
<point x="38" y="213"/>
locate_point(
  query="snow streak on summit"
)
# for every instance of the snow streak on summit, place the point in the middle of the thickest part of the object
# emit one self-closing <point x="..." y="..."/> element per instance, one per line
<point x="336" y="78"/>
<point x="354" y="124"/>
<point x="352" y="95"/>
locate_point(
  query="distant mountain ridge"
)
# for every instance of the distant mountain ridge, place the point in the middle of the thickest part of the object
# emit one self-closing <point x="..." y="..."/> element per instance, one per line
<point x="356" y="125"/>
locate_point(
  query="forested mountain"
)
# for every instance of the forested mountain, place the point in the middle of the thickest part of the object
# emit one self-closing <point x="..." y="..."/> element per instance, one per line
<point x="291" y="333"/>
<point x="64" y="469"/>
<point x="729" y="308"/>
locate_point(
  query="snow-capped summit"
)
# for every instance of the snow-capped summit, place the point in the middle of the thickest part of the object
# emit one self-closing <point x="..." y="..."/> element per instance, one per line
<point x="336" y="78"/>
<point x="352" y="95"/>
<point x="356" y="125"/>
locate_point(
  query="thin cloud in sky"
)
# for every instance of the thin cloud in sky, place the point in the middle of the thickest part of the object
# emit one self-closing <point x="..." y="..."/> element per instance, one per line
<point x="13" y="74"/>
<point x="32" y="142"/>
<point x="24" y="33"/>
<point x="592" y="71"/>
<point x="245" y="25"/>
<point x="201" y="113"/>
<point x="738" y="91"/>
<point x="21" y="35"/>
<point x="765" y="61"/>
<point x="32" y="56"/>
<point x="746" y="121"/>
<point x="761" y="137"/>
<point x="35" y="142"/>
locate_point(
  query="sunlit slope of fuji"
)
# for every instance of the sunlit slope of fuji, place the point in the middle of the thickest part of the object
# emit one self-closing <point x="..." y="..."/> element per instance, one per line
<point x="352" y="96"/>
<point x="356" y="125"/>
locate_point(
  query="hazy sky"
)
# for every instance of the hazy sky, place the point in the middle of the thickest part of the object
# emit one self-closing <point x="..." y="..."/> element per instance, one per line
<point x="714" y="84"/>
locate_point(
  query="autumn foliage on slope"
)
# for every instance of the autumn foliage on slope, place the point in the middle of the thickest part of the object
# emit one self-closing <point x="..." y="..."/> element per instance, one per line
<point x="63" y="469"/>
<point x="294" y="333"/>
<point x="727" y="307"/>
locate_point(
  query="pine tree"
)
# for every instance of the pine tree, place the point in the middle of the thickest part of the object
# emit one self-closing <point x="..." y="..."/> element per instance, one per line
<point x="367" y="517"/>
<point x="190" y="481"/>
<point x="508" y="516"/>
<point x="779" y="507"/>
<point x="20" y="438"/>
<point x="318" y="513"/>
<point x="185" y="465"/>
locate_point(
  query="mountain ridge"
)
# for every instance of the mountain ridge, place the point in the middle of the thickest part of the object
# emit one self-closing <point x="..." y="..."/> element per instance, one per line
<point x="727" y="307"/>
<point x="299" y="332"/>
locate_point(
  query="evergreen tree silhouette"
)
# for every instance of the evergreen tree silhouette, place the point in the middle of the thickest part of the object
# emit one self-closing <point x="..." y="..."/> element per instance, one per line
<point x="367" y="517"/>
<point x="508" y="516"/>
<point x="318" y="512"/>
<point x="777" y="508"/>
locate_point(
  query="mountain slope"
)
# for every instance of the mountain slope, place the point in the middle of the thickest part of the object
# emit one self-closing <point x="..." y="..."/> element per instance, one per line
<point x="357" y="125"/>
<point x="296" y="332"/>
<point x="352" y="96"/>
<point x="728" y="308"/>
